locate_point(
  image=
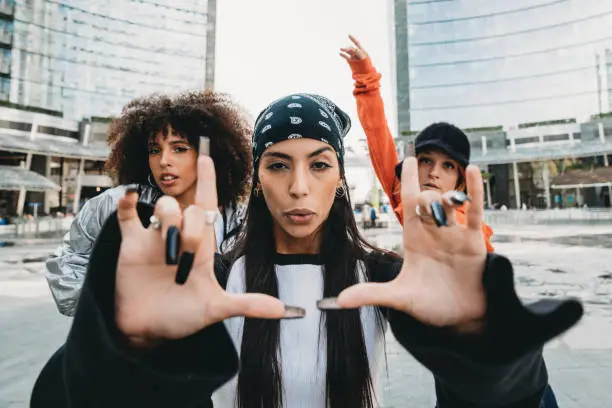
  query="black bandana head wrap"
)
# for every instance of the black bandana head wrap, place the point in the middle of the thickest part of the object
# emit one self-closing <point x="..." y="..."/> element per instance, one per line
<point x="297" y="116"/>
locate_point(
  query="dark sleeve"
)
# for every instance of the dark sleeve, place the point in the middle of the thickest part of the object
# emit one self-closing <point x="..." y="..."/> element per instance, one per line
<point x="95" y="368"/>
<point x="503" y="365"/>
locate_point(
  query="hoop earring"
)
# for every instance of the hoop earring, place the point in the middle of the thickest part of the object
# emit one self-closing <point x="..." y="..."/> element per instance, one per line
<point x="341" y="191"/>
<point x="152" y="184"/>
<point x="257" y="190"/>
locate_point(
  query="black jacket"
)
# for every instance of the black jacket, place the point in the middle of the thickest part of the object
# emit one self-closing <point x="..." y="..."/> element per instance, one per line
<point x="502" y="367"/>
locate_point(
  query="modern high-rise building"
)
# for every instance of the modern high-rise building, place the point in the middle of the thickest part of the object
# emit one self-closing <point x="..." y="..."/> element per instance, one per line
<point x="88" y="58"/>
<point x="529" y="80"/>
<point x="481" y="63"/>
<point x="6" y="44"/>
<point x="66" y="66"/>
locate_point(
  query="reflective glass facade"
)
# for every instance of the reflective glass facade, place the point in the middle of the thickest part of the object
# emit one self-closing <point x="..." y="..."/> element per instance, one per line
<point x="88" y="58"/>
<point x="7" y="8"/>
<point x="481" y="62"/>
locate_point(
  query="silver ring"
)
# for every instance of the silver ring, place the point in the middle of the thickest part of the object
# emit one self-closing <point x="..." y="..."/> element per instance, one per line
<point x="155" y="222"/>
<point x="418" y="211"/>
<point x="210" y="217"/>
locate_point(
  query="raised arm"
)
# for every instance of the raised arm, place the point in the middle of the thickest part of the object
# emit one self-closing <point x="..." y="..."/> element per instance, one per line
<point x="454" y="307"/>
<point x="371" y="111"/>
<point x="148" y="329"/>
<point x="502" y="364"/>
<point x="97" y="366"/>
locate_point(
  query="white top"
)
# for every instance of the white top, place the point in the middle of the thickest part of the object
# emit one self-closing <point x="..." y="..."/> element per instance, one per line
<point x="219" y="229"/>
<point x="302" y="356"/>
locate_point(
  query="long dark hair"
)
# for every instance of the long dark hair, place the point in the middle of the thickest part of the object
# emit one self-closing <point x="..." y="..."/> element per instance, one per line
<point x="348" y="379"/>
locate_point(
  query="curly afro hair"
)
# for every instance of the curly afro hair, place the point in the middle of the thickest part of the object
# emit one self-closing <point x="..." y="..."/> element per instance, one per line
<point x="191" y="115"/>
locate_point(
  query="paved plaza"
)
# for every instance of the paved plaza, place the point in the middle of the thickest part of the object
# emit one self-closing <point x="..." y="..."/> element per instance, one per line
<point x="549" y="262"/>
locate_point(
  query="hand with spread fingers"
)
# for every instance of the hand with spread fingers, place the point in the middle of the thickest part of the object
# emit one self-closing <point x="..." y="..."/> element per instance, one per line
<point x="354" y="52"/>
<point x="440" y="283"/>
<point x="166" y="286"/>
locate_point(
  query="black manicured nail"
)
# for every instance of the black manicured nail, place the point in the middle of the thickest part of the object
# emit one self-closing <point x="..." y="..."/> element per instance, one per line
<point x="173" y="245"/>
<point x="294" y="312"/>
<point x="131" y="188"/>
<point x="438" y="214"/>
<point x="459" y="197"/>
<point x="184" y="267"/>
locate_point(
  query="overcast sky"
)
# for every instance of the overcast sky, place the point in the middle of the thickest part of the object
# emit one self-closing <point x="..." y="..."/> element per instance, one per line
<point x="270" y="48"/>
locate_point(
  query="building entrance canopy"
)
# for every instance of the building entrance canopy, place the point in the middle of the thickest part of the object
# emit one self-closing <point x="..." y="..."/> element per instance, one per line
<point x="16" y="178"/>
<point x="579" y="149"/>
<point x="49" y="147"/>
<point x="598" y="177"/>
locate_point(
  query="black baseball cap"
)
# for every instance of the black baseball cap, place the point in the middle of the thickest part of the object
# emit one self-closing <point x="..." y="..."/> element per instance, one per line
<point x="445" y="137"/>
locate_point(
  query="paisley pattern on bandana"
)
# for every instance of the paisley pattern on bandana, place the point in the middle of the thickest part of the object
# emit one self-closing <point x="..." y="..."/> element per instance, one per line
<point x="313" y="117"/>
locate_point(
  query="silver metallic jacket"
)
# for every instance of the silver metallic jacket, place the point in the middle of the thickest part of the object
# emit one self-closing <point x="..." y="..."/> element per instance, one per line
<point x="66" y="268"/>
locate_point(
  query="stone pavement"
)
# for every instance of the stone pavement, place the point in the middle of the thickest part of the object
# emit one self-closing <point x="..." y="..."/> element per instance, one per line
<point x="549" y="261"/>
<point x="580" y="362"/>
<point x="31" y="329"/>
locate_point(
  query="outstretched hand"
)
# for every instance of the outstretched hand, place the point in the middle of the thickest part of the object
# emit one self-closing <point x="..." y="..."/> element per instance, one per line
<point x="440" y="282"/>
<point x="150" y="306"/>
<point x="355" y="52"/>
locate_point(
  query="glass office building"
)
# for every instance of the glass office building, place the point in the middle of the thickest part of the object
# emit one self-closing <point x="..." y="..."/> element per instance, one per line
<point x="482" y="63"/>
<point x="88" y="58"/>
<point x="530" y="81"/>
<point x="7" y="8"/>
<point x="65" y="66"/>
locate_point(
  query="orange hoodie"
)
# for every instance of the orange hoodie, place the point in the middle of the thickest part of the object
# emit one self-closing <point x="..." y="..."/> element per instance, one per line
<point x="371" y="111"/>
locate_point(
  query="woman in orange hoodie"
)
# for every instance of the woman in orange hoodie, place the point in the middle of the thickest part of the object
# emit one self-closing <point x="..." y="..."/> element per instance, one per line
<point x="442" y="149"/>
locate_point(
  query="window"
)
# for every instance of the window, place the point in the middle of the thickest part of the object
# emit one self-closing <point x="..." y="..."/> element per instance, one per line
<point x="5" y="61"/>
<point x="555" y="138"/>
<point x="5" y="88"/>
<point x="7" y="7"/>
<point x="525" y="140"/>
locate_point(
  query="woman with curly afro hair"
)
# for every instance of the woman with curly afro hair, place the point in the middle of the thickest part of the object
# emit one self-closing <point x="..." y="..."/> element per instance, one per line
<point x="154" y="148"/>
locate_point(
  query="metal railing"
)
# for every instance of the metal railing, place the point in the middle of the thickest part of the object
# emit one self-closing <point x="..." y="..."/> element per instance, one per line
<point x="551" y="216"/>
<point x="56" y="227"/>
<point x="41" y="227"/>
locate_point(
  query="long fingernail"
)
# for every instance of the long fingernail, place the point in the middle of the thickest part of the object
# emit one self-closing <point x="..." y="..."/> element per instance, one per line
<point x="204" y="146"/>
<point x="330" y="303"/>
<point x="184" y="267"/>
<point x="131" y="188"/>
<point x="173" y="245"/>
<point x="459" y="197"/>
<point x="294" y="312"/>
<point x="438" y="214"/>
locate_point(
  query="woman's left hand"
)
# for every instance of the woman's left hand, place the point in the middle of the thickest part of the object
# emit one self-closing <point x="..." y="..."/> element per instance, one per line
<point x="440" y="282"/>
<point x="353" y="53"/>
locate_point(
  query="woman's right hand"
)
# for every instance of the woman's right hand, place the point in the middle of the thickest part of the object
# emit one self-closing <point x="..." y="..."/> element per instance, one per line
<point x="149" y="305"/>
<point x="353" y="53"/>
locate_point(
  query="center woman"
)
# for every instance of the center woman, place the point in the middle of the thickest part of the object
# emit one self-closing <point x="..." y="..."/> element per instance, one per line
<point x="301" y="242"/>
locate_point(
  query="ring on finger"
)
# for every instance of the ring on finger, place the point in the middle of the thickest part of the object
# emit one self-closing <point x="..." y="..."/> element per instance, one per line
<point x="423" y="215"/>
<point x="210" y="217"/>
<point x="420" y="213"/>
<point x="155" y="222"/>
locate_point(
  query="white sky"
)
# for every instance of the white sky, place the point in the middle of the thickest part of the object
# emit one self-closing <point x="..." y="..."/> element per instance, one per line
<point x="270" y="48"/>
